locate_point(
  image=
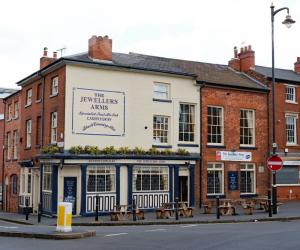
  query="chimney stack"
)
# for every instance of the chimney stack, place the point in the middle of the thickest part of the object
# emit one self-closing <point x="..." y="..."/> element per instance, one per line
<point x="297" y="66"/>
<point x="45" y="60"/>
<point x="234" y="63"/>
<point x="100" y="48"/>
<point x="244" y="60"/>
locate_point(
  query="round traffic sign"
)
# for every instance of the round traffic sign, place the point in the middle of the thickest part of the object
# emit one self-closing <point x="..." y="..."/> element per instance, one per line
<point x="275" y="163"/>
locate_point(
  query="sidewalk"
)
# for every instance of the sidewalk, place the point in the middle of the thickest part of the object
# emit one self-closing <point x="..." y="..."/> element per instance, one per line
<point x="287" y="211"/>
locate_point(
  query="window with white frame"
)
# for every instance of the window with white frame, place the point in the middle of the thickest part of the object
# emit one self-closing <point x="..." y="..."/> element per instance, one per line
<point x="9" y="112"/>
<point x="215" y="178"/>
<point x="161" y="91"/>
<point x="215" y="125"/>
<point x="247" y="178"/>
<point x="54" y="86"/>
<point x="53" y="127"/>
<point x="150" y="178"/>
<point x="101" y="179"/>
<point x="28" y="97"/>
<point x="9" y="145"/>
<point x="14" y="184"/>
<point x="28" y="133"/>
<point x="26" y="181"/>
<point x="15" y="145"/>
<point x="16" y="115"/>
<point x="47" y="178"/>
<point x="291" y="129"/>
<point x="187" y="122"/>
<point x="160" y="129"/>
<point x="290" y="93"/>
<point x="247" y="127"/>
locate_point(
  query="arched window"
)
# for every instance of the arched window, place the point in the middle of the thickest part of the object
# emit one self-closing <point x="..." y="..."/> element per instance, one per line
<point x="14" y="184"/>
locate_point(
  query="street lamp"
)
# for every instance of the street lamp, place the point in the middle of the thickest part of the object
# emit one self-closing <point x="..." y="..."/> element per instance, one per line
<point x="288" y="22"/>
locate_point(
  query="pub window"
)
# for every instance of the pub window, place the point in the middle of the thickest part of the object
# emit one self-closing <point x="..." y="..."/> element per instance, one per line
<point x="101" y="179"/>
<point x="160" y="129"/>
<point x="28" y="133"/>
<point x="14" y="184"/>
<point x="161" y="91"/>
<point x="54" y="86"/>
<point x="28" y="97"/>
<point x="53" y="127"/>
<point x="247" y="178"/>
<point x="290" y="93"/>
<point x="291" y="129"/>
<point x="215" y="178"/>
<point x="187" y="122"/>
<point x="150" y="178"/>
<point x="247" y="127"/>
<point x="9" y="146"/>
<point x="215" y="125"/>
<point x="47" y="178"/>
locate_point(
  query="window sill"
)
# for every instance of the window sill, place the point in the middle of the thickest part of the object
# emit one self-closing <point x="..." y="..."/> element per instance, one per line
<point x="38" y="101"/>
<point x="248" y="195"/>
<point x="292" y="145"/>
<point x="162" y="100"/>
<point x="215" y="146"/>
<point x="27" y="105"/>
<point x="161" y="146"/>
<point x="221" y="196"/>
<point x="8" y="120"/>
<point x="38" y="146"/>
<point x="248" y="147"/>
<point x="15" y="117"/>
<point x="291" y="102"/>
<point x="53" y="95"/>
<point x="27" y="148"/>
<point x="187" y="145"/>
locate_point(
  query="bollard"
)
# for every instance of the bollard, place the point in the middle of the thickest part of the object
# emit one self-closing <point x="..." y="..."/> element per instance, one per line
<point x="26" y="208"/>
<point x="39" y="212"/>
<point x="133" y="210"/>
<point x="176" y="208"/>
<point x="269" y="203"/>
<point x="218" y="206"/>
<point x="97" y="208"/>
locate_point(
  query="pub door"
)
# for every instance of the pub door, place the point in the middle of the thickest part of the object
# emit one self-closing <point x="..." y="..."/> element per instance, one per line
<point x="70" y="191"/>
<point x="184" y="188"/>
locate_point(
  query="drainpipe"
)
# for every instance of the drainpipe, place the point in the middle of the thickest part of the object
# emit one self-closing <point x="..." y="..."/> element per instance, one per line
<point x="3" y="152"/>
<point x="202" y="84"/>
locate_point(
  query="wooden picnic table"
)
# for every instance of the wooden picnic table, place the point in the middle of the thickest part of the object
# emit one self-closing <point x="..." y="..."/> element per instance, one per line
<point x="165" y="212"/>
<point x="227" y="207"/>
<point x="120" y="212"/>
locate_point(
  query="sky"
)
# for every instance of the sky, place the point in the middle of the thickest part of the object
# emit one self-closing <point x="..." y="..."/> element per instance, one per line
<point x="197" y="30"/>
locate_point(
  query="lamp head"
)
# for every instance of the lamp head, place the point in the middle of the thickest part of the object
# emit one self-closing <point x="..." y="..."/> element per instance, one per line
<point x="288" y="22"/>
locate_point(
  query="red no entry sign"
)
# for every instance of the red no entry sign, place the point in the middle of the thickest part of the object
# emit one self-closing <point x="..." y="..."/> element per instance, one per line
<point x="275" y="163"/>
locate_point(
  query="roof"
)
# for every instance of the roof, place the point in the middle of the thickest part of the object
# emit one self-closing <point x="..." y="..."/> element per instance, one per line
<point x="5" y="92"/>
<point x="204" y="72"/>
<point x="280" y="74"/>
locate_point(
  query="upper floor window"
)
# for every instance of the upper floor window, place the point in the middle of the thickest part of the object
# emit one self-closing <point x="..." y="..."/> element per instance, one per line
<point x="247" y="125"/>
<point x="54" y="127"/>
<point x="28" y="97"/>
<point x="290" y="93"/>
<point x="9" y="112"/>
<point x="187" y="122"/>
<point x="160" y="129"/>
<point x="215" y="125"/>
<point x="54" y="86"/>
<point x="28" y="133"/>
<point x="291" y="129"/>
<point x="14" y="184"/>
<point x="9" y="145"/>
<point x="38" y="135"/>
<point x="16" y="110"/>
<point x="39" y="92"/>
<point x="161" y="91"/>
<point x="16" y="143"/>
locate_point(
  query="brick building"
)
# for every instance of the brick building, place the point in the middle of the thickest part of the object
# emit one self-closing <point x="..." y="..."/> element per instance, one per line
<point x="287" y="106"/>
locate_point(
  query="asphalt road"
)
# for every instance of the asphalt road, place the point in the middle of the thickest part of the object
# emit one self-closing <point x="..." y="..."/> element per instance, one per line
<point x="259" y="236"/>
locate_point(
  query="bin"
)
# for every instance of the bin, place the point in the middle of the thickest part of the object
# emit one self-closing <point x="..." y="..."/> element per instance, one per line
<point x="64" y="217"/>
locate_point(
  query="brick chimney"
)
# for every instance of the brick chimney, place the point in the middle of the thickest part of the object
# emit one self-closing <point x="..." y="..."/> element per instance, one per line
<point x="234" y="63"/>
<point x="45" y="60"/>
<point x="297" y="66"/>
<point x="100" y="48"/>
<point x="244" y="60"/>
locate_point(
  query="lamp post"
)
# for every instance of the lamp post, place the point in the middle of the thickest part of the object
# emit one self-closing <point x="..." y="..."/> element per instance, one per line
<point x="288" y="22"/>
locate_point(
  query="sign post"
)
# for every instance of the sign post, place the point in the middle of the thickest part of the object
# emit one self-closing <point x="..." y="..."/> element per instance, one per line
<point x="274" y="164"/>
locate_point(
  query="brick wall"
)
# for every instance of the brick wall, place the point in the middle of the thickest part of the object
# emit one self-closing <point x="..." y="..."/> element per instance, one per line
<point x="232" y="101"/>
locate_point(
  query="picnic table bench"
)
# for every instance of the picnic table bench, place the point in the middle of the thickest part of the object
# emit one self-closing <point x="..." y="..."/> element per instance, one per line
<point x="208" y="206"/>
<point x="123" y="212"/>
<point x="165" y="212"/>
<point x="185" y="210"/>
<point x="227" y="207"/>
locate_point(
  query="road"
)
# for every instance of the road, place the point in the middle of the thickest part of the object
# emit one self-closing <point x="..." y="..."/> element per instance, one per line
<point x="241" y="236"/>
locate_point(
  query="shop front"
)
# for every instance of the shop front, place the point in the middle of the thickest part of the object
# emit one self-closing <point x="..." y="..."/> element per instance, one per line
<point x="148" y="181"/>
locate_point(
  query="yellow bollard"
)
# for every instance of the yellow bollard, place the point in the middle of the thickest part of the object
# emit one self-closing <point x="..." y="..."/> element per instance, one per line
<point x="64" y="217"/>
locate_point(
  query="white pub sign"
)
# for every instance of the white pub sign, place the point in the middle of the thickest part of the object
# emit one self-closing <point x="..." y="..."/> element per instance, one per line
<point x="233" y="156"/>
<point x="98" y="112"/>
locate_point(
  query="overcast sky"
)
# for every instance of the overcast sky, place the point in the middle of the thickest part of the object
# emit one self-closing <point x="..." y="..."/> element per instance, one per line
<point x="199" y="30"/>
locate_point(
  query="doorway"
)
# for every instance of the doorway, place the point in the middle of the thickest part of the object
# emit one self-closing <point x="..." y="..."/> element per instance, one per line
<point x="70" y="191"/>
<point x="184" y="188"/>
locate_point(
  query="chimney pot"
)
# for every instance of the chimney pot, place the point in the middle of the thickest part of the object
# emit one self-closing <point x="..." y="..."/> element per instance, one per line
<point x="235" y="52"/>
<point x="45" y="51"/>
<point x="55" y="54"/>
